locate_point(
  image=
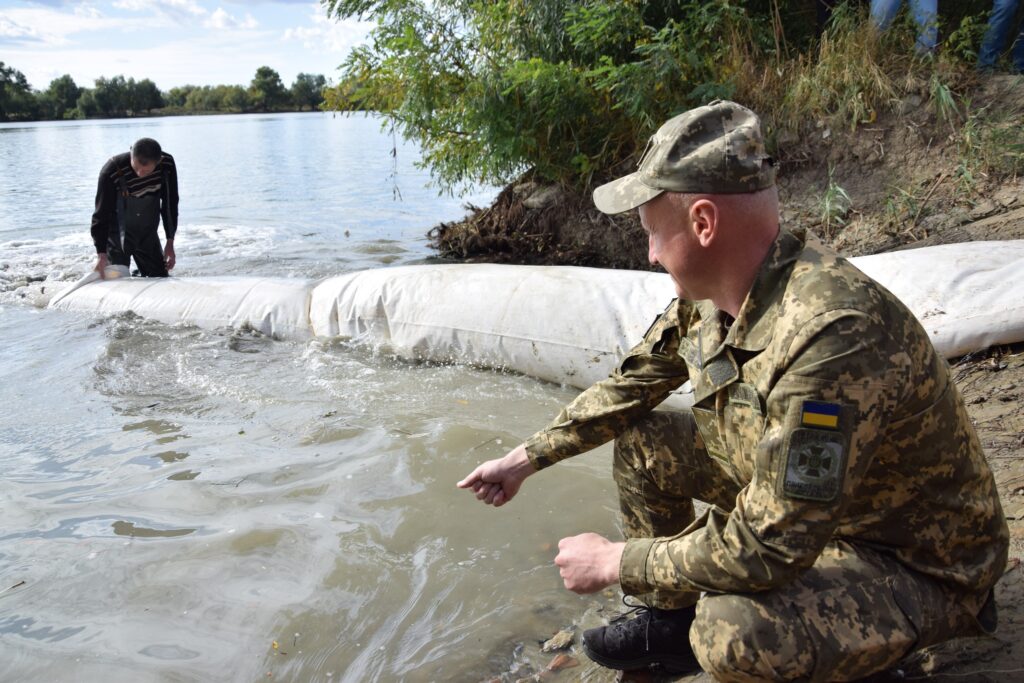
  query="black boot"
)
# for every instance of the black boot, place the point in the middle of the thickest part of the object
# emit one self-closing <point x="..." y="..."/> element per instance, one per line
<point x="652" y="636"/>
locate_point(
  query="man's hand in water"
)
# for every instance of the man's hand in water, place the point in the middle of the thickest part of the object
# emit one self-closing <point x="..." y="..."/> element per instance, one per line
<point x="588" y="562"/>
<point x="169" y="255"/>
<point x="101" y="265"/>
<point x="495" y="482"/>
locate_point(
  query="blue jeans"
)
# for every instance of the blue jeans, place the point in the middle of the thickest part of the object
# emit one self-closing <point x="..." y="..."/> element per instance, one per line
<point x="926" y="16"/>
<point x="1000" y="24"/>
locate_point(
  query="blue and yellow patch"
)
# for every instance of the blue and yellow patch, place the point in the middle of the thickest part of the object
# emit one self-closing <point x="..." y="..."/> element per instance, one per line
<point x="820" y="414"/>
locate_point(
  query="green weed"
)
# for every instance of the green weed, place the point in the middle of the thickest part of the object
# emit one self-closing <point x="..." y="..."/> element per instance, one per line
<point x="834" y="207"/>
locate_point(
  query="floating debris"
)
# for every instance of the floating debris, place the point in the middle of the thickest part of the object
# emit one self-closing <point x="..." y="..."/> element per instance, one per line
<point x="559" y="641"/>
<point x="562" y="661"/>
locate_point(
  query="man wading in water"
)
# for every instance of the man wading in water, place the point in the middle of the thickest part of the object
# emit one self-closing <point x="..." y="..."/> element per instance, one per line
<point x="135" y="190"/>
<point x="853" y="517"/>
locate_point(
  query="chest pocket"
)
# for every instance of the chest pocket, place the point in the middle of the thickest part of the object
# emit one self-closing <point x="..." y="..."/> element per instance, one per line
<point x="743" y="427"/>
<point x="731" y="424"/>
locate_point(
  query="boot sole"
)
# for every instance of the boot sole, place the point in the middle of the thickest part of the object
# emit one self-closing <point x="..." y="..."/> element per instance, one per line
<point x="674" y="664"/>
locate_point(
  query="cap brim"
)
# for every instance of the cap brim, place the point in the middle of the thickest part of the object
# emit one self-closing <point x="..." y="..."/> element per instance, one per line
<point x="624" y="194"/>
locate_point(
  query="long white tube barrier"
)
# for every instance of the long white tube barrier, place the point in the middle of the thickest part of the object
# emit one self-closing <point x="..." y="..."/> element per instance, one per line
<point x="562" y="324"/>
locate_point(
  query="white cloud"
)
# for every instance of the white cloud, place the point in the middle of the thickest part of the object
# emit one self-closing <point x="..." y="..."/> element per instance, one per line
<point x="186" y="6"/>
<point x="12" y="29"/>
<point x="328" y="34"/>
<point x="177" y="11"/>
<point x="53" y="26"/>
<point x="220" y="19"/>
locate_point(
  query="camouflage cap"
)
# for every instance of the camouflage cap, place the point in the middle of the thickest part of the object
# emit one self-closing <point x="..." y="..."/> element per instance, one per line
<point x="717" y="149"/>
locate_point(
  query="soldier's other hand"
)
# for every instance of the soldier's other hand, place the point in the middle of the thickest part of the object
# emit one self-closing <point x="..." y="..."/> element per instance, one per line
<point x="589" y="562"/>
<point x="496" y="482"/>
<point x="169" y="255"/>
<point x="101" y="265"/>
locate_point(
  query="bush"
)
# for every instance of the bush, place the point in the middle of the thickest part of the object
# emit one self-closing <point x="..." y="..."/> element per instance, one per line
<point x="489" y="89"/>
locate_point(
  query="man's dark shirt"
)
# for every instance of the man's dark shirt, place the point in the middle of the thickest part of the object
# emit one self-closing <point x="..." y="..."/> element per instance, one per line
<point x="104" y="218"/>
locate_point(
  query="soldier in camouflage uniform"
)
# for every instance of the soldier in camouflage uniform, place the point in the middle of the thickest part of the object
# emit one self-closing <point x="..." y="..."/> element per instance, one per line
<point x="852" y="516"/>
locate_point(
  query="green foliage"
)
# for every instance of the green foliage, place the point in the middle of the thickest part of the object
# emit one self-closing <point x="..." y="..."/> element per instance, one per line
<point x="61" y="98"/>
<point x="834" y="206"/>
<point x="964" y="40"/>
<point x="266" y="90"/>
<point x="307" y="91"/>
<point x="846" y="81"/>
<point x="145" y="96"/>
<point x="17" y="100"/>
<point x="988" y="147"/>
<point x="943" y="101"/>
<point x="119" y="96"/>
<point x="570" y="88"/>
<point x="489" y="88"/>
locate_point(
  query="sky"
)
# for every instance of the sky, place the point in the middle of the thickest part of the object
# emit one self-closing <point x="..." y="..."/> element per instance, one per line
<point x="173" y="42"/>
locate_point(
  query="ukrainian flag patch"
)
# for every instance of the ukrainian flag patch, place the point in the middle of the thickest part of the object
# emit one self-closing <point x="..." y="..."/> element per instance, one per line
<point x="820" y="414"/>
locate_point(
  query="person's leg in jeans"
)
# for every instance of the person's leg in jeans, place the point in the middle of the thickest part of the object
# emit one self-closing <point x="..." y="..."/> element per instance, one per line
<point x="1018" y="51"/>
<point x="999" y="24"/>
<point x="884" y="11"/>
<point x="925" y="16"/>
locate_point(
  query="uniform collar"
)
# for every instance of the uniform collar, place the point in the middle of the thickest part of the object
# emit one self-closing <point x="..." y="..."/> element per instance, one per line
<point x="753" y="328"/>
<point x="755" y="324"/>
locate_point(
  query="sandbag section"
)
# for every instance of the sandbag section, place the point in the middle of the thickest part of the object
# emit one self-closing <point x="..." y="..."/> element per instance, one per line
<point x="562" y="324"/>
<point x="968" y="296"/>
<point x="273" y="306"/>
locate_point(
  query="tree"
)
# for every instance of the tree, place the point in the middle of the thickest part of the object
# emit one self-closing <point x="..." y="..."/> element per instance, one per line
<point x="17" y="101"/>
<point x="307" y="91"/>
<point x="145" y="96"/>
<point x="176" y="96"/>
<point x="236" y="98"/>
<point x="112" y="96"/>
<point x="61" y="98"/>
<point x="490" y="89"/>
<point x="86" y="107"/>
<point x="267" y="91"/>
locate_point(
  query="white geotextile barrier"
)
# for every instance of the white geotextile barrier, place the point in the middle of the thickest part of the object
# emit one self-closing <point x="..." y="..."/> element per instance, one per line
<point x="562" y="324"/>
<point x="968" y="296"/>
<point x="273" y="306"/>
<point x="567" y="325"/>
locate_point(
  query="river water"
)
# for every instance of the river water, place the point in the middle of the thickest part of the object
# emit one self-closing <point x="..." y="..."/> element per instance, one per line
<point x="188" y="505"/>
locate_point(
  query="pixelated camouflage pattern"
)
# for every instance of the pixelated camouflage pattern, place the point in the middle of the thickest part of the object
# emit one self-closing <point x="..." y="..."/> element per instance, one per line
<point x="813" y="327"/>
<point x="856" y="611"/>
<point x="717" y="148"/>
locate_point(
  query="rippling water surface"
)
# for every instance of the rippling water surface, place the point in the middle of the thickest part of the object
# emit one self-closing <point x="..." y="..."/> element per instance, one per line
<point x="189" y="505"/>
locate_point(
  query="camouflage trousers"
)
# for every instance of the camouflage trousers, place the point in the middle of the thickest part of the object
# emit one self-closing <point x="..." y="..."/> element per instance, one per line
<point x="854" y="612"/>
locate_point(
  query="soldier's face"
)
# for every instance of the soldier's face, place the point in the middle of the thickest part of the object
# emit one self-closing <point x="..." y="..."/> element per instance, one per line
<point x="669" y="242"/>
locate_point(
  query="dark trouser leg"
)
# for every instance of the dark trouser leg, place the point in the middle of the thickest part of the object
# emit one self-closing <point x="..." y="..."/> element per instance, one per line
<point x="853" y="613"/>
<point x="144" y="247"/>
<point x="115" y="255"/>
<point x="659" y="469"/>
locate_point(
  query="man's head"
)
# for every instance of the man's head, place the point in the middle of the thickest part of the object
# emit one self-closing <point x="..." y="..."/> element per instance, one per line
<point x="706" y="192"/>
<point x="146" y="154"/>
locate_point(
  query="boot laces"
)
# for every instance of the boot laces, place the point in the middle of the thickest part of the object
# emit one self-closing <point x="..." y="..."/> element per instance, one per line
<point x="638" y="611"/>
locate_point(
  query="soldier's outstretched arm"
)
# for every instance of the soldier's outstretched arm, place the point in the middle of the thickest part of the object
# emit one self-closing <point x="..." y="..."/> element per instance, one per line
<point x="496" y="482"/>
<point x="644" y="378"/>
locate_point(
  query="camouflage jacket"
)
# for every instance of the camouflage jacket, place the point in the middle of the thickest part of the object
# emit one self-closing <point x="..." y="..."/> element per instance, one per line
<point x="835" y="416"/>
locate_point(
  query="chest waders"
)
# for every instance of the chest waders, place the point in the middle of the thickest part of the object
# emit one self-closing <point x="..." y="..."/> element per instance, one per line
<point x="136" y="236"/>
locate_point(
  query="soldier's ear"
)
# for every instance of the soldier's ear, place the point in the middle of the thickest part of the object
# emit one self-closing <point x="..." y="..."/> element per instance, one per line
<point x="704" y="216"/>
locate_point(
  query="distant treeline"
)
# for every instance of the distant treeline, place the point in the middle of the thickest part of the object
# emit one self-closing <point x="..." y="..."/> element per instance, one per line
<point x="120" y="97"/>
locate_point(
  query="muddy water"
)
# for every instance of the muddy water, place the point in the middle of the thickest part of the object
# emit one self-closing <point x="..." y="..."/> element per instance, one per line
<point x="177" y="501"/>
<point x="186" y="505"/>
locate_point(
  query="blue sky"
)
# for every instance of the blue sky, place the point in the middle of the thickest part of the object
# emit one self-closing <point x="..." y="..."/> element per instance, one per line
<point x="172" y="42"/>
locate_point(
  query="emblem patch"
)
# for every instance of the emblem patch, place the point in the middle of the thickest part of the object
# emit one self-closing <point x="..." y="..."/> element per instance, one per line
<point x="815" y="465"/>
